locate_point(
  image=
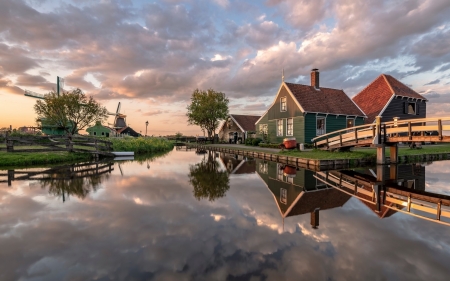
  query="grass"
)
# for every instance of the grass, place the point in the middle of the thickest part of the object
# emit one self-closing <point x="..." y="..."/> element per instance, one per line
<point x="141" y="145"/>
<point x="11" y="159"/>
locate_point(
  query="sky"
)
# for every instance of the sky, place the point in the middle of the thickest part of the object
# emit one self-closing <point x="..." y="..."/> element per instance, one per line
<point x="151" y="56"/>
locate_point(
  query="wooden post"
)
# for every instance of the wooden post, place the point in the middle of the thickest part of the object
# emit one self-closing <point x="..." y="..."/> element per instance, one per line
<point x="409" y="131"/>
<point x="10" y="176"/>
<point x="9" y="143"/>
<point x="394" y="153"/>
<point x="356" y="135"/>
<point x="440" y="129"/>
<point x="381" y="158"/>
<point x="438" y="215"/>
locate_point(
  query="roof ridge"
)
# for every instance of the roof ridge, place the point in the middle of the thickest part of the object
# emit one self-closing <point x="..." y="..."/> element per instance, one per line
<point x="314" y="87"/>
<point x="389" y="84"/>
<point x="405" y="86"/>
<point x="373" y="81"/>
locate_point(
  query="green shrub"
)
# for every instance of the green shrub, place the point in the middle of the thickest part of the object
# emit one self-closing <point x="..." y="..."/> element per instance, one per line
<point x="270" y="145"/>
<point x="256" y="141"/>
<point x="249" y="141"/>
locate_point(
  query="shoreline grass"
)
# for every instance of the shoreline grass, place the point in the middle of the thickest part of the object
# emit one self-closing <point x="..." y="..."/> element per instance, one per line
<point x="24" y="159"/>
<point x="141" y="145"/>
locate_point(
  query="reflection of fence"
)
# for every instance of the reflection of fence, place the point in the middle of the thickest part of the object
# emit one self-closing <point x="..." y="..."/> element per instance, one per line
<point x="70" y="172"/>
<point x="58" y="143"/>
<point x="389" y="195"/>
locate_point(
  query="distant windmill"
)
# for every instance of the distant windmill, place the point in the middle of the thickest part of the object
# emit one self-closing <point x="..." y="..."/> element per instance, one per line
<point x="119" y="119"/>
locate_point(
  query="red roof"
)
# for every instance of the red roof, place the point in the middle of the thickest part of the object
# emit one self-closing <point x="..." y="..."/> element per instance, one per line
<point x="247" y="122"/>
<point x="377" y="94"/>
<point x="324" y="100"/>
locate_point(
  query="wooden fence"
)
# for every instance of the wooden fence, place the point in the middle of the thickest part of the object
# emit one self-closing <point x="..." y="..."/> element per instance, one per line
<point x="58" y="143"/>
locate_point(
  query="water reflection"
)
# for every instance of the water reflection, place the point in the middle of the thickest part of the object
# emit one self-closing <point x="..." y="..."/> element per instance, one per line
<point x="64" y="181"/>
<point x="208" y="179"/>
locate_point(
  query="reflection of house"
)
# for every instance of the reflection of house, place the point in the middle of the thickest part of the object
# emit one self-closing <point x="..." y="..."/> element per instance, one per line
<point x="307" y="111"/>
<point x="237" y="164"/>
<point x="298" y="193"/>
<point x="387" y="97"/>
<point x="243" y="125"/>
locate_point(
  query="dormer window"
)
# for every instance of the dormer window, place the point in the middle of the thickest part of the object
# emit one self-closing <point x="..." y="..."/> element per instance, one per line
<point x="283" y="104"/>
<point x="411" y="108"/>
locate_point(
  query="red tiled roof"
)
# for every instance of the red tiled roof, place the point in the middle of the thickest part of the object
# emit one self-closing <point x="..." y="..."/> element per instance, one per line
<point x="376" y="95"/>
<point x="247" y="122"/>
<point x="325" y="100"/>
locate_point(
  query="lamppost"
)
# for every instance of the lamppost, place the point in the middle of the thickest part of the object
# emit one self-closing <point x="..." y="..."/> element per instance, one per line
<point x="146" y="125"/>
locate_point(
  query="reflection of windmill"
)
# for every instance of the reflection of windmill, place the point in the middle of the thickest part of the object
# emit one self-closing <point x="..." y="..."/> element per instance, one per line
<point x="119" y="119"/>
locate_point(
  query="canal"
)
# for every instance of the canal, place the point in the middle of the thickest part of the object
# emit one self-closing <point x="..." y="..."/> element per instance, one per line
<point x="199" y="215"/>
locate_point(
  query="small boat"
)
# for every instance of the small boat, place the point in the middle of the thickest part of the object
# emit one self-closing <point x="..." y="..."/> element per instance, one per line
<point x="289" y="171"/>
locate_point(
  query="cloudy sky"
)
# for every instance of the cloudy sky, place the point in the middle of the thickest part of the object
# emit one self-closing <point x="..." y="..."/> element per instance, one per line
<point x="152" y="55"/>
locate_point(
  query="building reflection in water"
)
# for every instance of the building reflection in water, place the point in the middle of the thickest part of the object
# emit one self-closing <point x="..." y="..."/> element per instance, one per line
<point x="385" y="189"/>
<point x="297" y="191"/>
<point x="64" y="181"/>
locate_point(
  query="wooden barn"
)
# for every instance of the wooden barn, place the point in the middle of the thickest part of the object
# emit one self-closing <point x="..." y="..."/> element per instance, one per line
<point x="242" y="125"/>
<point x="387" y="97"/>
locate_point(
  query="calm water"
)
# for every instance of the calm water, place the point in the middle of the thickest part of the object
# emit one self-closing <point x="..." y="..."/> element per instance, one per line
<point x="188" y="216"/>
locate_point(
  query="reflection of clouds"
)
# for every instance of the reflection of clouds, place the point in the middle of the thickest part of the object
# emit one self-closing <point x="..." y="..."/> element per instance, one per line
<point x="171" y="235"/>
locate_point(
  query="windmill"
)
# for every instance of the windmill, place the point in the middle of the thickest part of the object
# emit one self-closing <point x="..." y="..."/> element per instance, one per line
<point x="119" y="119"/>
<point x="47" y="127"/>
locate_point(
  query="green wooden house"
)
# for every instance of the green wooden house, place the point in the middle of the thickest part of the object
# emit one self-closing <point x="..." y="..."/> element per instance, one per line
<point x="307" y="111"/>
<point x="99" y="130"/>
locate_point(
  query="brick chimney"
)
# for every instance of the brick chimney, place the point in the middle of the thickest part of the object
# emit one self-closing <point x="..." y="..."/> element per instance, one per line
<point x="315" y="78"/>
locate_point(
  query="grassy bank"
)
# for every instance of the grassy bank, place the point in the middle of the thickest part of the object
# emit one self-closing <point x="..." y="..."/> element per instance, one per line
<point x="141" y="145"/>
<point x="37" y="158"/>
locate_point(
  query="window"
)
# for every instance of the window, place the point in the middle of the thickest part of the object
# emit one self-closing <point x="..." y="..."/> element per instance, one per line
<point x="350" y="122"/>
<point x="320" y="129"/>
<point x="411" y="108"/>
<point x="95" y="133"/>
<point x="283" y="104"/>
<point x="280" y="171"/>
<point x="290" y="127"/>
<point x="263" y="168"/>
<point x="283" y="195"/>
<point x="280" y="127"/>
<point x="263" y="128"/>
<point x="103" y="133"/>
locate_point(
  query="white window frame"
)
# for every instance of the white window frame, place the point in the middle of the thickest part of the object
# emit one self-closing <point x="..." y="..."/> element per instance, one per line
<point x="279" y="134"/>
<point x="281" y="104"/>
<point x="287" y="127"/>
<point x="415" y="108"/>
<point x="323" y="131"/>
<point x="263" y="128"/>
<point x="283" y="195"/>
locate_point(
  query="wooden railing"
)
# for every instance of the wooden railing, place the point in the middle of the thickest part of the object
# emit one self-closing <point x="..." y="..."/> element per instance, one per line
<point x="411" y="130"/>
<point x="58" y="143"/>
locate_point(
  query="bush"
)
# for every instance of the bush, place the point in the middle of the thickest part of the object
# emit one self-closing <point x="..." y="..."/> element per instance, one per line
<point x="255" y="142"/>
<point x="270" y="145"/>
<point x="248" y="141"/>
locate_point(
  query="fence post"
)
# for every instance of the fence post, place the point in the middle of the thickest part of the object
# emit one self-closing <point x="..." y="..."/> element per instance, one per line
<point x="9" y="143"/>
<point x="440" y="129"/>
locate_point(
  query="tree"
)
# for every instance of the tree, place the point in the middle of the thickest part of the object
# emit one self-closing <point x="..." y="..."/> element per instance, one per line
<point x="206" y="109"/>
<point x="72" y="110"/>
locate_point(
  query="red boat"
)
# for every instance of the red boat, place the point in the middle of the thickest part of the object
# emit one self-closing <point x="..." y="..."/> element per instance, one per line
<point x="289" y="143"/>
<point x="289" y="171"/>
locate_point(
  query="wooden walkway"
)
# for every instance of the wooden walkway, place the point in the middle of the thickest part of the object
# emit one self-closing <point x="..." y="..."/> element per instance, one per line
<point x="388" y="194"/>
<point x="389" y="133"/>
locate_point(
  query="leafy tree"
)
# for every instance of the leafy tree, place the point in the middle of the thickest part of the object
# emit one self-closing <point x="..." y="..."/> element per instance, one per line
<point x="206" y="109"/>
<point x="208" y="181"/>
<point x="72" y="110"/>
<point x="178" y="135"/>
